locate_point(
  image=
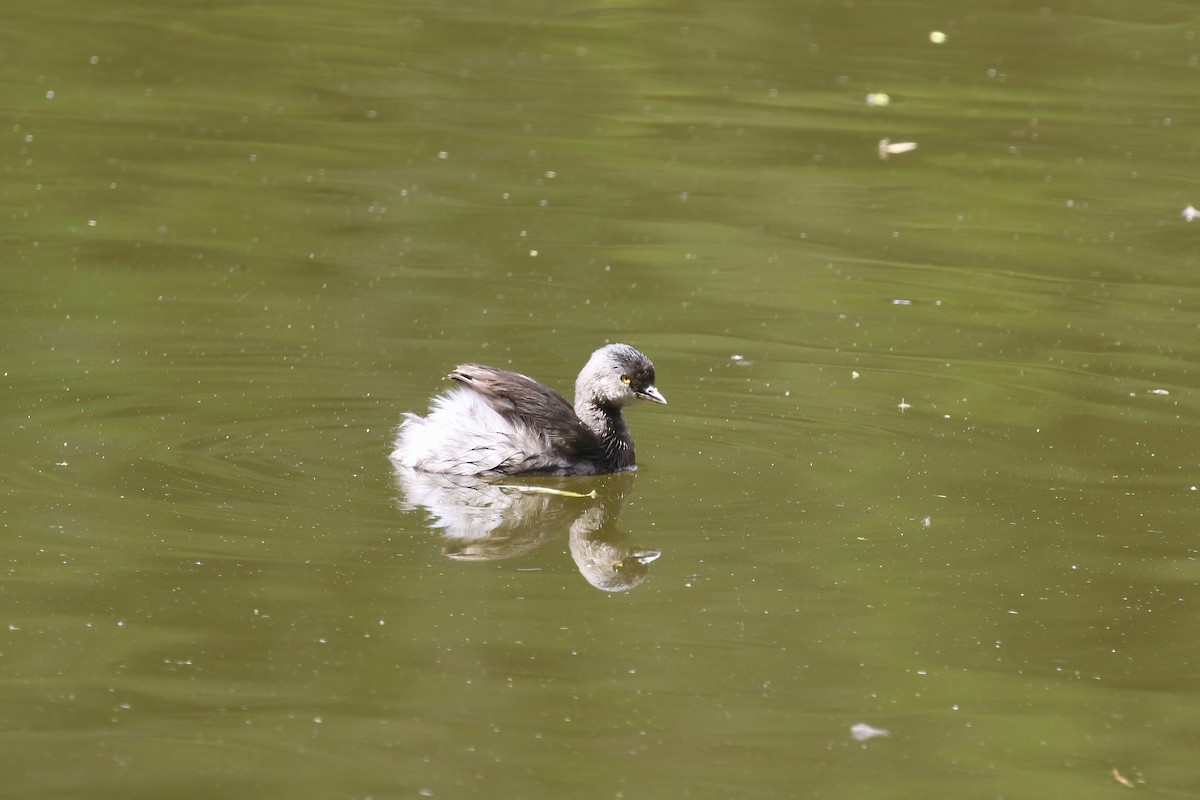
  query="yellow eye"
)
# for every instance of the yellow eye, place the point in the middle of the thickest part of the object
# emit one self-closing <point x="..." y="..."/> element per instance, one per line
<point x="625" y="380"/>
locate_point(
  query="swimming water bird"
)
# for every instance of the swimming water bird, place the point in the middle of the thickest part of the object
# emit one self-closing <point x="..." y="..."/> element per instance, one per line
<point x="498" y="422"/>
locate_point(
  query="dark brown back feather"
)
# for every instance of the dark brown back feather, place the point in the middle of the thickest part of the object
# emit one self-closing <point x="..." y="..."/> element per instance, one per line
<point x="527" y="402"/>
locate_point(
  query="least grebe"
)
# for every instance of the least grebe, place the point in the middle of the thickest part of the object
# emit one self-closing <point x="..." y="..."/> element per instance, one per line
<point x="504" y="423"/>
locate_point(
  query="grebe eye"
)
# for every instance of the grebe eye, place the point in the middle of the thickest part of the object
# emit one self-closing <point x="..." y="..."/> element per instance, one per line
<point x="625" y="380"/>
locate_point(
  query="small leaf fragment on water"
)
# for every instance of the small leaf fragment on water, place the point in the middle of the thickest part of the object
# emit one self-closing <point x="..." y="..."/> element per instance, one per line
<point x="937" y="37"/>
<point x="1121" y="779"/>
<point x="879" y="99"/>
<point x="889" y="148"/>
<point x="861" y="731"/>
<point x="545" y="490"/>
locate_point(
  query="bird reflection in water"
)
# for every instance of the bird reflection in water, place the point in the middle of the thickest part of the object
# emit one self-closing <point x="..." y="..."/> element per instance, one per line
<point x="482" y="520"/>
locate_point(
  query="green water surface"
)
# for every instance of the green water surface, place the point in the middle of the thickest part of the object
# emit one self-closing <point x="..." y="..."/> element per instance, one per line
<point x="929" y="462"/>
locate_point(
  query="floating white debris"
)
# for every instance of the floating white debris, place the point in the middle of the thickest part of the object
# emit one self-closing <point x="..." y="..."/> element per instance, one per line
<point x="900" y="301"/>
<point x="1190" y="213"/>
<point x="878" y="99"/>
<point x="1158" y="391"/>
<point x="889" y="148"/>
<point x="862" y="731"/>
<point x="937" y="37"/>
<point x="853" y="375"/>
